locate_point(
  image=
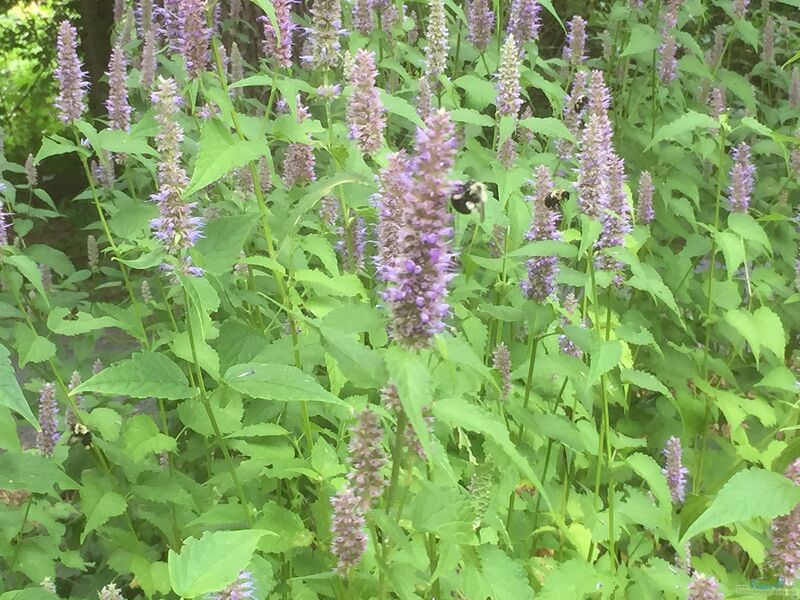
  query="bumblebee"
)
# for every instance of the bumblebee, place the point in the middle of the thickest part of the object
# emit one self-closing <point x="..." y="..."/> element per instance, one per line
<point x="579" y="103"/>
<point x="469" y="197"/>
<point x="554" y="199"/>
<point x="82" y="433"/>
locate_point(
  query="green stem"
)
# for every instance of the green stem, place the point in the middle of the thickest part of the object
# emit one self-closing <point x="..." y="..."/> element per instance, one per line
<point x="210" y="412"/>
<point x="18" y="537"/>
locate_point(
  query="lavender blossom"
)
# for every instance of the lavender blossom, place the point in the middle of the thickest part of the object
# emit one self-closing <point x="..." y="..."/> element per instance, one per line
<point x="412" y="35"/>
<point x="240" y="589"/>
<point x="97" y="366"/>
<point x="674" y="470"/>
<point x="279" y="44"/>
<point x="565" y="344"/>
<point x="365" y="116"/>
<point x="668" y="62"/>
<point x="119" y="10"/>
<point x="362" y="16"/>
<point x="391" y="400"/>
<point x="47" y="277"/>
<point x="92" y="255"/>
<point x="437" y="46"/>
<point x="501" y="362"/>
<point x="542" y="270"/>
<point x="395" y="187"/>
<point x="195" y="36"/>
<point x="176" y="227"/>
<point x="326" y="26"/>
<point x="742" y="176"/>
<point x="48" y="420"/>
<point x="523" y="21"/>
<point x="110" y="592"/>
<point x="481" y="24"/>
<point x="298" y="165"/>
<point x="784" y="556"/>
<point x="794" y="88"/>
<point x="508" y="87"/>
<point x="329" y="92"/>
<point x="148" y="71"/>
<point x="424" y="98"/>
<point x="703" y="587"/>
<point x="507" y="153"/>
<point x="616" y="218"/>
<point x="237" y="67"/>
<point x="740" y="8"/>
<point x="596" y="152"/>
<point x="575" y="44"/>
<point x="74" y="381"/>
<point x="714" y="55"/>
<point x="169" y="17"/>
<point x="119" y="111"/>
<point x="717" y="101"/>
<point x="329" y="211"/>
<point x="144" y="17"/>
<point x="4" y="226"/>
<point x="367" y="458"/>
<point x="31" y="176"/>
<point x="417" y="279"/>
<point x="70" y="75"/>
<point x="646" y="188"/>
<point x="768" y="42"/>
<point x="497" y="241"/>
<point x="348" y="529"/>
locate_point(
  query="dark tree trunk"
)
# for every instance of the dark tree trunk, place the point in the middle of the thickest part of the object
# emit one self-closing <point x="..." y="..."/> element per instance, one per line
<point x="97" y="20"/>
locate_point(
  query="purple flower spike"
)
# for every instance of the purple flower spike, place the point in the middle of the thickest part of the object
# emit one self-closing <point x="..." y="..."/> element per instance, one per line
<point x="784" y="557"/>
<point x="31" y="175"/>
<point x="794" y="88"/>
<point x="438" y="46"/>
<point x="703" y="587"/>
<point x="326" y="26"/>
<point x="48" y="420"/>
<point x="70" y="75"/>
<point x="740" y="8"/>
<point x="148" y="71"/>
<point x="418" y="277"/>
<point x="396" y="187"/>
<point x="110" y="592"/>
<point x="362" y="16"/>
<point x="348" y="529"/>
<point x="175" y="227"/>
<point x="4" y="226"/>
<point x="674" y="470"/>
<point x="365" y="112"/>
<point x="668" y="60"/>
<point x="119" y="111"/>
<point x="575" y="44"/>
<point x="241" y="589"/>
<point x="523" y="21"/>
<point x="279" y="49"/>
<point x="298" y="165"/>
<point x="646" y="213"/>
<point x="768" y="41"/>
<point x="508" y="87"/>
<point x="501" y="362"/>
<point x="742" y="179"/>
<point x="367" y="458"/>
<point x="542" y="270"/>
<point x="195" y="36"/>
<point x="481" y="23"/>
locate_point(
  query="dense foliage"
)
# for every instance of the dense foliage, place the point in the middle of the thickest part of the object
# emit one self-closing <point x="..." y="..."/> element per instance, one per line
<point x="436" y="300"/>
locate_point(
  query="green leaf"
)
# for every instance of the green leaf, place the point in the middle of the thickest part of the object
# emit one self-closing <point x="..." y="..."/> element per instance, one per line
<point x="29" y="271"/>
<point x="347" y="285"/>
<point x="574" y="578"/>
<point x="749" y="229"/>
<point x="82" y="324"/>
<point x="286" y="525"/>
<point x="762" y="329"/>
<point x="55" y="145"/>
<point x="546" y="248"/>
<point x="222" y="241"/>
<point x="643" y="39"/>
<point x="99" y="509"/>
<point x="401" y="107"/>
<point x="363" y="366"/>
<point x="478" y="89"/>
<point x="146" y="374"/>
<point x="408" y="373"/>
<point x="605" y="356"/>
<point x="650" y="471"/>
<point x="460" y="413"/>
<point x="645" y="381"/>
<point x="506" y="577"/>
<point x="277" y="382"/>
<point x="749" y="494"/>
<point x="11" y="395"/>
<point x="220" y="153"/>
<point x="686" y="123"/>
<point x="748" y="32"/>
<point x="32" y="472"/>
<point x="471" y="117"/>
<point x="212" y="562"/>
<point x="32" y="348"/>
<point x="548" y="127"/>
<point x="114" y="140"/>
